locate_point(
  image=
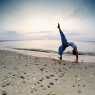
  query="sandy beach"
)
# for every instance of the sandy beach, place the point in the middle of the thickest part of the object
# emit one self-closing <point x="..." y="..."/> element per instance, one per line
<point x="25" y="74"/>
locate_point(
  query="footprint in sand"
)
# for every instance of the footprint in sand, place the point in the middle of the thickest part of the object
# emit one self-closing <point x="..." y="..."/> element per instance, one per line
<point x="38" y="82"/>
<point x="51" y="94"/>
<point x="48" y="86"/>
<point x="46" y="71"/>
<point x="22" y="77"/>
<point x="45" y="65"/>
<point x="41" y="79"/>
<point x="44" y="88"/>
<point x="37" y="64"/>
<point x="24" y="73"/>
<point x="42" y="69"/>
<point x="61" y="75"/>
<point x="52" y="75"/>
<point x="47" y="77"/>
<point x="13" y="75"/>
<point x="51" y="83"/>
<point x="73" y="85"/>
<point x="76" y="76"/>
<point x="33" y="90"/>
<point x="41" y="85"/>
<point x="84" y="85"/>
<point x="4" y="67"/>
<point x="56" y="79"/>
<point x="23" y="81"/>
<point x="6" y="84"/>
<point x="79" y="91"/>
<point x="59" y="70"/>
<point x="4" y="93"/>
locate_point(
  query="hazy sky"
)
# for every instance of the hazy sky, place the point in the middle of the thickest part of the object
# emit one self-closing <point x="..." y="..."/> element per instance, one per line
<point x="43" y="15"/>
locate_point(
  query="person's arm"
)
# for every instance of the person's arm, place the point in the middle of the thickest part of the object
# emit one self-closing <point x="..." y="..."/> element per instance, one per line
<point x="76" y="56"/>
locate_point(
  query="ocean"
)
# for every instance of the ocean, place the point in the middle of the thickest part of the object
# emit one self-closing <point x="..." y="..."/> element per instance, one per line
<point x="83" y="47"/>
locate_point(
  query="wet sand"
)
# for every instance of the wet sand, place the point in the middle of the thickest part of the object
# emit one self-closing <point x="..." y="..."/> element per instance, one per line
<point x="22" y="74"/>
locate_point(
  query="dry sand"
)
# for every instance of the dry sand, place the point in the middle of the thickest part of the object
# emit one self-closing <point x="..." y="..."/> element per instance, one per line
<point x="22" y="74"/>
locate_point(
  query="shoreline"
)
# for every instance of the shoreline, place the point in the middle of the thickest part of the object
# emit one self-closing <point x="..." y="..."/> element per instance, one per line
<point x="83" y="57"/>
